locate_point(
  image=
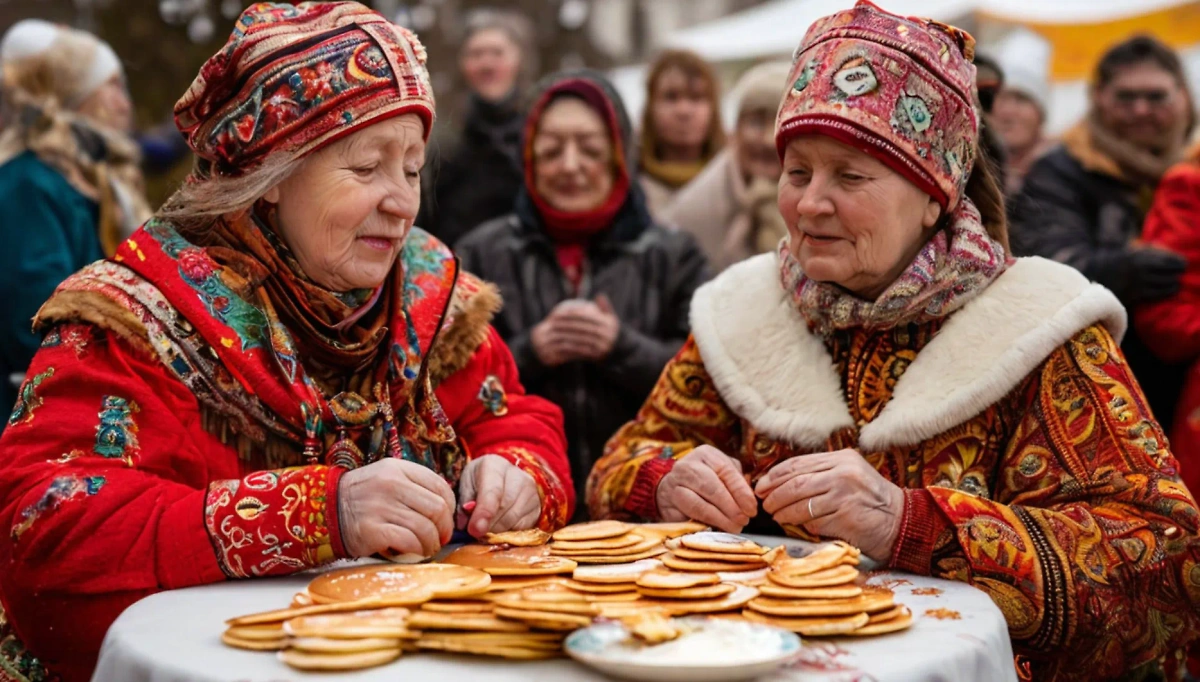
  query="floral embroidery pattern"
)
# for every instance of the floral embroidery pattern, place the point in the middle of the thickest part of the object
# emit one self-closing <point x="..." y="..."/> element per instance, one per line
<point x="493" y="397"/>
<point x="62" y="489"/>
<point x="16" y="662"/>
<point x="28" y="400"/>
<point x="116" y="434"/>
<point x="271" y="522"/>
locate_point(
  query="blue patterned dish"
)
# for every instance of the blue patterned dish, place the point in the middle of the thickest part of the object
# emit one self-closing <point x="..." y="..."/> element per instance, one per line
<point x="715" y="650"/>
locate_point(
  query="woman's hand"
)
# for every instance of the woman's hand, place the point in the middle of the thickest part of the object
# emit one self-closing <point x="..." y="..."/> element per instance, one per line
<point x="506" y="498"/>
<point x="706" y="485"/>
<point x="836" y="495"/>
<point x="576" y="330"/>
<point x="397" y="506"/>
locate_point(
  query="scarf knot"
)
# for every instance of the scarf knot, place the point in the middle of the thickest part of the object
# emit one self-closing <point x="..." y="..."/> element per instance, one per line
<point x="950" y="269"/>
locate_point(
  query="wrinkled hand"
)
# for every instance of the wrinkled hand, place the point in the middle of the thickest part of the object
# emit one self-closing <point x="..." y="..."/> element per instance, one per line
<point x="506" y="498"/>
<point x="706" y="485"/>
<point x="836" y="495"/>
<point x="394" y="505"/>
<point x="576" y="330"/>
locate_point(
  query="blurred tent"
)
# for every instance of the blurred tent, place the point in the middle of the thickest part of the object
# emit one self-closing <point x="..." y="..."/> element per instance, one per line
<point x="1051" y="45"/>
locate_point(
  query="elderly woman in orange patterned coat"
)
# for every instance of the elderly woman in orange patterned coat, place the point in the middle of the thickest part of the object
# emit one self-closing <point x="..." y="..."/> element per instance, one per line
<point x="892" y="378"/>
<point x="276" y="371"/>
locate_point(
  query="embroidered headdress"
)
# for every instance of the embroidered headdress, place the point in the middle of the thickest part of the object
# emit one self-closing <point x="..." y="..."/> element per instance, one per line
<point x="897" y="88"/>
<point x="292" y="78"/>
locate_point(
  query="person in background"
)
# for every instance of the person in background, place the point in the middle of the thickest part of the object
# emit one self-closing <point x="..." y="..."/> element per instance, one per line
<point x="730" y="207"/>
<point x="989" y="80"/>
<point x="476" y="178"/>
<point x="1084" y="201"/>
<point x="595" y="294"/>
<point x="70" y="184"/>
<point x="1171" y="327"/>
<point x="1019" y="116"/>
<point x="892" y="378"/>
<point x="681" y="125"/>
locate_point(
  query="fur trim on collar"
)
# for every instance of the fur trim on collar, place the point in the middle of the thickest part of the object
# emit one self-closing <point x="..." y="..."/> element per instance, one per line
<point x="773" y="372"/>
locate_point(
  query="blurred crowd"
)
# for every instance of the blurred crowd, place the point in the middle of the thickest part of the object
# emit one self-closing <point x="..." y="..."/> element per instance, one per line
<point x="598" y="246"/>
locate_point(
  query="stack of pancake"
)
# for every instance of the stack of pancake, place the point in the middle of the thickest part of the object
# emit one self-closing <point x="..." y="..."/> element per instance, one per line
<point x="520" y="595"/>
<point x="819" y="595"/>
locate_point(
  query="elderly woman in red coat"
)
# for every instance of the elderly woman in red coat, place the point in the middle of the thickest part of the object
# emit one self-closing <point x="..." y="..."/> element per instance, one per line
<point x="275" y="372"/>
<point x="892" y="378"/>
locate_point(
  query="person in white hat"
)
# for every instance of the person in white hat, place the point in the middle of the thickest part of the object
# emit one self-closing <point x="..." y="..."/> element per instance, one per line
<point x="70" y="182"/>
<point x="1019" y="116"/>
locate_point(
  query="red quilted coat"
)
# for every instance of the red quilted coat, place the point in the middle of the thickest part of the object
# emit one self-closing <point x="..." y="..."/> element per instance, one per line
<point x="167" y="436"/>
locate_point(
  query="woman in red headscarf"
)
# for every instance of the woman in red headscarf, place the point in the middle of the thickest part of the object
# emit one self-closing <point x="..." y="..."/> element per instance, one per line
<point x="276" y="371"/>
<point x="595" y="294"/>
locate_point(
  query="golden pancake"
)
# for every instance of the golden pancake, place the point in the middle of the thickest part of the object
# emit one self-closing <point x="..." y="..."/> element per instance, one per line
<point x="670" y="580"/>
<point x="722" y="543"/>
<point x="504" y="560"/>
<point x="599" y="588"/>
<point x="702" y="592"/>
<point x="696" y="555"/>
<point x="612" y="597"/>
<point x="811" y="627"/>
<point x="615" y="573"/>
<point x="301" y="598"/>
<point x="896" y="624"/>
<point x="519" y="639"/>
<point x="577" y="608"/>
<point x="483" y="649"/>
<point x="679" y="564"/>
<point x="546" y="620"/>
<point x="559" y="593"/>
<point x="652" y="627"/>
<point x="387" y="623"/>
<point x="596" y="546"/>
<point x="623" y="559"/>
<point x="756" y="577"/>
<point x="881" y="616"/>
<point x="281" y="615"/>
<point x="260" y="632"/>
<point x="531" y="537"/>
<point x="839" y="592"/>
<point x="643" y="544"/>
<point x="840" y="575"/>
<point x="399" y="585"/>
<point x="741" y="595"/>
<point x="593" y="530"/>
<point x="306" y="661"/>
<point x="324" y="645"/>
<point x="254" y="644"/>
<point x="807" y="608"/>
<point x="457" y="606"/>
<point x="485" y="622"/>
<point x="672" y="530"/>
<point x="824" y="558"/>
<point x="501" y="583"/>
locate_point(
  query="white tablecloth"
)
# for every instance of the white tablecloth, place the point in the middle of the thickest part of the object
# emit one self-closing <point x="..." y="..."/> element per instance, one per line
<point x="958" y="634"/>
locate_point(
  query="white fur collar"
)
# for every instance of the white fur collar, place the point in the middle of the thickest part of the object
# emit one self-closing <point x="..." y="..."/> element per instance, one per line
<point x="773" y="372"/>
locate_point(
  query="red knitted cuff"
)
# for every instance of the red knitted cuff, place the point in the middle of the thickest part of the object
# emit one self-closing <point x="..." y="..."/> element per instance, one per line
<point x="333" y="479"/>
<point x="923" y="522"/>
<point x="643" y="497"/>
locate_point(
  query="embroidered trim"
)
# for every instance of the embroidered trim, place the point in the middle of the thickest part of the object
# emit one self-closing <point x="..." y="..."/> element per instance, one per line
<point x="28" y="400"/>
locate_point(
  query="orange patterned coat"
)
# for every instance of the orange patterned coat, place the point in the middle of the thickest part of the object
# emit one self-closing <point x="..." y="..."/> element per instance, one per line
<point x="1032" y="466"/>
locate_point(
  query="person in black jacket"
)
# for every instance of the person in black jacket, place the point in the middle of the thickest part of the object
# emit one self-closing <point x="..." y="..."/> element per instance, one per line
<point x="1084" y="201"/>
<point x="475" y="177"/>
<point x="596" y="296"/>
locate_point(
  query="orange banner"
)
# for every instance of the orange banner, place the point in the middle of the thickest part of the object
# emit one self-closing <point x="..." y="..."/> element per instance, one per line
<point x="1076" y="48"/>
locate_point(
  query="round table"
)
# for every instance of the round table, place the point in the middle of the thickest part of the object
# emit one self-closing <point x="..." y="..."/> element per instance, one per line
<point x="958" y="634"/>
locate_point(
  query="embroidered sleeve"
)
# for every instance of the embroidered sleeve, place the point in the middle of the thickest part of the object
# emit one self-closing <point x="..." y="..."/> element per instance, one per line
<point x="275" y="522"/>
<point x="492" y="415"/>
<point x="1090" y="545"/>
<point x="105" y="488"/>
<point x="684" y="410"/>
